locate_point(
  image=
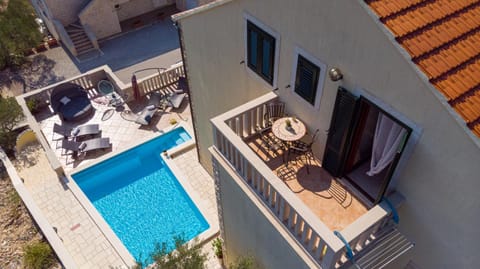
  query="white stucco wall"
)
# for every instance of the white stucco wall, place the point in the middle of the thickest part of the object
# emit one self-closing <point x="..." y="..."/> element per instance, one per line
<point x="441" y="178"/>
<point x="251" y="230"/>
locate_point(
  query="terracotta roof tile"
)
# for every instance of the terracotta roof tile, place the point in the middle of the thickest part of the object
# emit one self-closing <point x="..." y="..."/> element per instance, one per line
<point x="443" y="39"/>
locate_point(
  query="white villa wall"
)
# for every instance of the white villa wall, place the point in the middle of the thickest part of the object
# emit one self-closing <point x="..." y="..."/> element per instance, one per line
<point x="440" y="180"/>
<point x="251" y="230"/>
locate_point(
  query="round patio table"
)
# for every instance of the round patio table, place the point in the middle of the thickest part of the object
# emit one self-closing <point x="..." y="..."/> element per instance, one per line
<point x="294" y="133"/>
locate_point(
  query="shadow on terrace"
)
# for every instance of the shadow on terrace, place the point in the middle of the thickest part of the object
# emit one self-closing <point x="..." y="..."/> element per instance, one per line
<point x="115" y="121"/>
<point x="333" y="203"/>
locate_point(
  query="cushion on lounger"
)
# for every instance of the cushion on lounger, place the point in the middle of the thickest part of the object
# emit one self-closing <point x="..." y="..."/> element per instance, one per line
<point x="75" y="131"/>
<point x="150" y="107"/>
<point x="82" y="146"/>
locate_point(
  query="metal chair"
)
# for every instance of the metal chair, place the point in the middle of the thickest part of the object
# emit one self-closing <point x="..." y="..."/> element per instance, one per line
<point x="304" y="149"/>
<point x="274" y="112"/>
<point x="271" y="143"/>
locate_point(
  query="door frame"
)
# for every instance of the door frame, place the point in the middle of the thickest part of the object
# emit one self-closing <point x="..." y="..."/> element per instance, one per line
<point x="393" y="165"/>
<point x="413" y="134"/>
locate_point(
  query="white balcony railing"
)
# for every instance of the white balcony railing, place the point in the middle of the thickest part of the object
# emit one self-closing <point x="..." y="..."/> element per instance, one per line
<point x="161" y="80"/>
<point x="328" y="251"/>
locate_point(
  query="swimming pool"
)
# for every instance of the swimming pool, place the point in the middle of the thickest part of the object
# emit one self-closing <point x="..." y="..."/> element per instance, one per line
<point x="139" y="197"/>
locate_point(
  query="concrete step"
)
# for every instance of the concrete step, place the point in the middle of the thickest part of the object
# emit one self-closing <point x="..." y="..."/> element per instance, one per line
<point x="84" y="51"/>
<point x="77" y="34"/>
<point x="76" y="25"/>
<point x="80" y="40"/>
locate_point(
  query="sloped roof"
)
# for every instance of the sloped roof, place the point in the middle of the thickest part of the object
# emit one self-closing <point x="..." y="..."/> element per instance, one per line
<point x="443" y="39"/>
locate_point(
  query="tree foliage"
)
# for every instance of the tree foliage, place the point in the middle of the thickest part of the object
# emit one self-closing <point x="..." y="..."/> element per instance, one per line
<point x="11" y="115"/>
<point x="18" y="31"/>
<point x="185" y="256"/>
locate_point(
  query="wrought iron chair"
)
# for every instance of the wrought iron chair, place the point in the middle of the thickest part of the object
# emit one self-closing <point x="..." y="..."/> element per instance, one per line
<point x="269" y="142"/>
<point x="274" y="112"/>
<point x="304" y="149"/>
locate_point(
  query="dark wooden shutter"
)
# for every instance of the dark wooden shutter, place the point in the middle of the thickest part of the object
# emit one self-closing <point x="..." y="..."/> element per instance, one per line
<point x="306" y="79"/>
<point x="340" y="132"/>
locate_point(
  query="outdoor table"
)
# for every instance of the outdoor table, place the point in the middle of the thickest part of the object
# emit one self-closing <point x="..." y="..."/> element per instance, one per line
<point x="288" y="134"/>
<point x="294" y="133"/>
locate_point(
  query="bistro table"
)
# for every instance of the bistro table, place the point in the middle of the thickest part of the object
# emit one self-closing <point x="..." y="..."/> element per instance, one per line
<point x="294" y="133"/>
<point x="288" y="134"/>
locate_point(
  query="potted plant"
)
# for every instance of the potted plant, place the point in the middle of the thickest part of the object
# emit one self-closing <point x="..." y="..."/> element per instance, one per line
<point x="218" y="247"/>
<point x="288" y="124"/>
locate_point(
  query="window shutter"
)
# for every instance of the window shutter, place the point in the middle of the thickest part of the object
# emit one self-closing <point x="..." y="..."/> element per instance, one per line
<point x="260" y="52"/>
<point x="306" y="79"/>
<point x="340" y="132"/>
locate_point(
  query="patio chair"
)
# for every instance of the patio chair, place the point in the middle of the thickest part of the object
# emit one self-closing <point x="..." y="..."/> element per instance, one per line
<point x="175" y="99"/>
<point x="89" y="129"/>
<point x="272" y="144"/>
<point x="303" y="149"/>
<point x="154" y="104"/>
<point x="86" y="146"/>
<point x="274" y="112"/>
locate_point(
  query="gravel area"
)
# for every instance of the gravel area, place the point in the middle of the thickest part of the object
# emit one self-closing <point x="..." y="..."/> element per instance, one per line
<point x="16" y="225"/>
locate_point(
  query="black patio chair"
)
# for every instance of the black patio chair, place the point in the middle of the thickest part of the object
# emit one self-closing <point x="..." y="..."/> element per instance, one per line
<point x="153" y="106"/>
<point x="81" y="148"/>
<point x="270" y="143"/>
<point x="274" y="112"/>
<point x="83" y="130"/>
<point x="304" y="149"/>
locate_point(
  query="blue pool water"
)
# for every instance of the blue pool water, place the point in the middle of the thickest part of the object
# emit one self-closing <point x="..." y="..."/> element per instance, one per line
<point x="140" y="198"/>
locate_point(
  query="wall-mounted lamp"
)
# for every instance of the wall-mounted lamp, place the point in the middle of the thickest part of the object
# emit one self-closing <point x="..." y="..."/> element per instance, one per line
<point x="335" y="74"/>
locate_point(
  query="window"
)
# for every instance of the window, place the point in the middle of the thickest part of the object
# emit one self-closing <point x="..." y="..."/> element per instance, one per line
<point x="306" y="79"/>
<point x="260" y="52"/>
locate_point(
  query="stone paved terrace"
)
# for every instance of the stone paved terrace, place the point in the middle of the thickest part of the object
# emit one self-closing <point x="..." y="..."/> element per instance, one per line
<point x="80" y="235"/>
<point x="83" y="239"/>
<point x="122" y="133"/>
<point x="333" y="203"/>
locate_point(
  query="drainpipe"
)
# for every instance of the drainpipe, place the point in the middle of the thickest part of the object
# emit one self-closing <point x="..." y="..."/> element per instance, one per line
<point x="182" y="51"/>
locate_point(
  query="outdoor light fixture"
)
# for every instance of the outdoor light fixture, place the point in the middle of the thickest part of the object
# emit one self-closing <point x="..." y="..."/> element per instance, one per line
<point x="335" y="74"/>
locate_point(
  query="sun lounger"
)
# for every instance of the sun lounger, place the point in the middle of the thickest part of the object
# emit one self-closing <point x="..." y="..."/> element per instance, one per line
<point x="83" y="147"/>
<point x="89" y="129"/>
<point x="146" y="115"/>
<point x="176" y="98"/>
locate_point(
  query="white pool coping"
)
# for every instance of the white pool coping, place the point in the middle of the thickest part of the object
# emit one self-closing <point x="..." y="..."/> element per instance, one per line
<point x="117" y="244"/>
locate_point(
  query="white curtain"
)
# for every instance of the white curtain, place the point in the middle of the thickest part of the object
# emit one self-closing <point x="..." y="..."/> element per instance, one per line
<point x="388" y="136"/>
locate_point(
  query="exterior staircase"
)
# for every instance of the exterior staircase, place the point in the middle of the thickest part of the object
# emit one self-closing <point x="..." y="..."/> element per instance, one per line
<point x="79" y="38"/>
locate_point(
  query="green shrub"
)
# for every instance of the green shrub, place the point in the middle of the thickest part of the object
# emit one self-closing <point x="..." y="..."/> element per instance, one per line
<point x="38" y="255"/>
<point x="18" y="32"/>
<point x="217" y="247"/>
<point x="185" y="256"/>
<point x="11" y="115"/>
